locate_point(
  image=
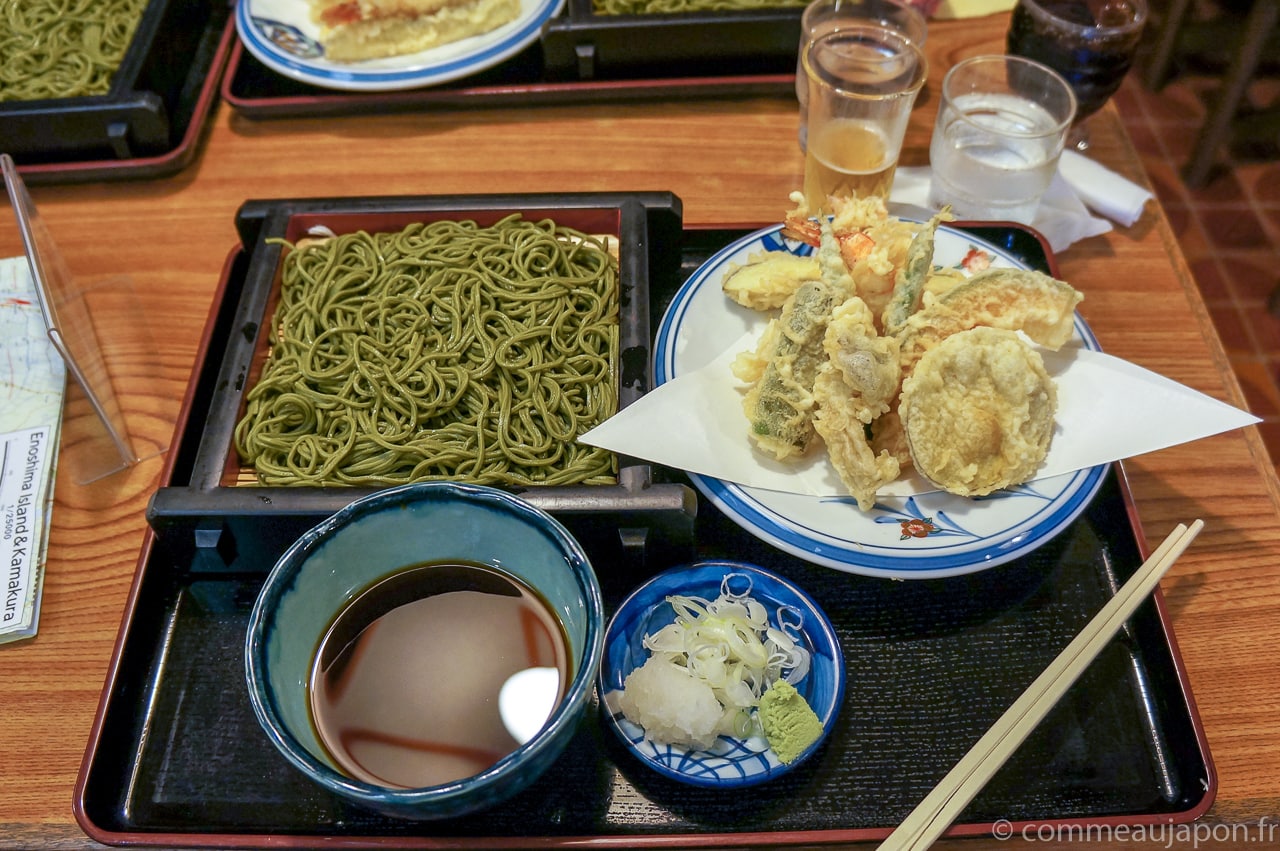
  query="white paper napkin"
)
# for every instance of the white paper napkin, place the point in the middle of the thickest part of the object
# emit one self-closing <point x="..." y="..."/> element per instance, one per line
<point x="1108" y="409"/>
<point x="971" y="8"/>
<point x="1103" y="190"/>
<point x="1063" y="217"/>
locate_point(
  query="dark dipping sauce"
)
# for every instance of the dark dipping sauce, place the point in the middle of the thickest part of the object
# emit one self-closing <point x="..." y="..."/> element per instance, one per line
<point x="406" y="684"/>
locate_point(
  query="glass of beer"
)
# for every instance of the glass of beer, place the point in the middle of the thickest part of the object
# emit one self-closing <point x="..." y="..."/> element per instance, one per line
<point x="822" y="16"/>
<point x="1089" y="42"/>
<point x="863" y="81"/>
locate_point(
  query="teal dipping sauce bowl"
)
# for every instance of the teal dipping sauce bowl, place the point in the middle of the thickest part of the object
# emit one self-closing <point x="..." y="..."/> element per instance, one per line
<point x="381" y="534"/>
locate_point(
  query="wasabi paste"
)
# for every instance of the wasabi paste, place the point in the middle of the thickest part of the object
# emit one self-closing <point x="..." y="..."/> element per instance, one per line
<point x="789" y="723"/>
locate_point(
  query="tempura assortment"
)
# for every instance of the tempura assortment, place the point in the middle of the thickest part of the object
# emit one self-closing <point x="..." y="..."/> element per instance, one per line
<point x="889" y="362"/>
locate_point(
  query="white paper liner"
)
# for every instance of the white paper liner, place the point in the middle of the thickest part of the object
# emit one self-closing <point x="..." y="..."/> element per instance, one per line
<point x="1108" y="409"/>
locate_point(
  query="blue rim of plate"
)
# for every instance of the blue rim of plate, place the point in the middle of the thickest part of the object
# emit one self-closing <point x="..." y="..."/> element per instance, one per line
<point x="287" y="44"/>
<point x="732" y="763"/>
<point x="927" y="536"/>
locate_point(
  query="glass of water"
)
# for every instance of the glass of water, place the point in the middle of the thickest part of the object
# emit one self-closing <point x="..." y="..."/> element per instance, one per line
<point x="1001" y="127"/>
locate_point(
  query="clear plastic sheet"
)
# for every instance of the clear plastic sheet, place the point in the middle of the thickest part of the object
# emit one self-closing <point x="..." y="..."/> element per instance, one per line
<point x="73" y="313"/>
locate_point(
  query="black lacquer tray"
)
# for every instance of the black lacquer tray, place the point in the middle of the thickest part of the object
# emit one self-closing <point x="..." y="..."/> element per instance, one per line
<point x="176" y="757"/>
<point x="215" y="482"/>
<point x="150" y="123"/>
<point x="584" y="44"/>
<point x="256" y="91"/>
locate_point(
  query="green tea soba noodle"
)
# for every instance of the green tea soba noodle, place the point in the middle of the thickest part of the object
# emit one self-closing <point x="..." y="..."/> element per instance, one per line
<point x="63" y="48"/>
<point x="444" y="351"/>
<point x="654" y="7"/>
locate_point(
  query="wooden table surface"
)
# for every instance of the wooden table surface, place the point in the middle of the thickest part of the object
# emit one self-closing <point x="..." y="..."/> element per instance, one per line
<point x="730" y="161"/>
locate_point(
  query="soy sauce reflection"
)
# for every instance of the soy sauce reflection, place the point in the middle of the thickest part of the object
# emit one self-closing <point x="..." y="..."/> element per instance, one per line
<point x="436" y="672"/>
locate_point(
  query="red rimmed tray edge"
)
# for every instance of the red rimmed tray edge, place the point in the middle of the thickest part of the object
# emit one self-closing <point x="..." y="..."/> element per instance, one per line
<point x="160" y="165"/>
<point x="701" y="840"/>
<point x="534" y="92"/>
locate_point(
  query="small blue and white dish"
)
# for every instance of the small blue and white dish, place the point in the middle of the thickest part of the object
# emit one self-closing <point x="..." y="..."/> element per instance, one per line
<point x="379" y="536"/>
<point x="731" y="762"/>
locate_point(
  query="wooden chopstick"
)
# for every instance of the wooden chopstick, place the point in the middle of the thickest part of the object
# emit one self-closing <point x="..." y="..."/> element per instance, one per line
<point x="944" y="804"/>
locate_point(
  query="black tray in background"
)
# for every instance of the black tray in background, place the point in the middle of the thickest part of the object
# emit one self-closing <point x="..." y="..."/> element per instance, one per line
<point x="150" y="122"/>
<point x="176" y="757"/>
<point x="581" y="44"/>
<point x="255" y="91"/>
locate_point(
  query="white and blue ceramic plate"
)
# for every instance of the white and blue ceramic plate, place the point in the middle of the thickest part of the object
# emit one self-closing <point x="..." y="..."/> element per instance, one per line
<point x="730" y="763"/>
<point x="925" y="536"/>
<point x="282" y="36"/>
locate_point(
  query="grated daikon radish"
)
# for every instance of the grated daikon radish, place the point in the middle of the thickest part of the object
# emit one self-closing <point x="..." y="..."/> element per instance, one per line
<point x="708" y="669"/>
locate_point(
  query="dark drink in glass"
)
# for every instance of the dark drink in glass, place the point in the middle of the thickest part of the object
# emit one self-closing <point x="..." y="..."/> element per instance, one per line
<point x="1089" y="42"/>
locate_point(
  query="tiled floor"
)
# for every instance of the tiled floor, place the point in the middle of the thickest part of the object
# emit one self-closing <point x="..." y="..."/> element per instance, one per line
<point x="1229" y="229"/>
